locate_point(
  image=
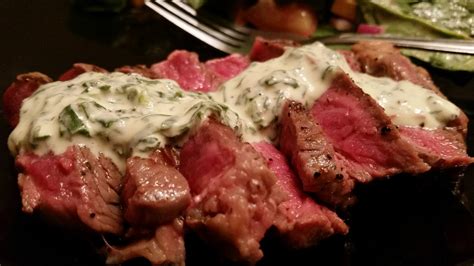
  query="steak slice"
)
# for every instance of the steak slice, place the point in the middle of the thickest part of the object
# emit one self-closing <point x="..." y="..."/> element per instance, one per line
<point x="300" y="219"/>
<point x="185" y="68"/>
<point x="351" y="60"/>
<point x="234" y="194"/>
<point x="313" y="156"/>
<point x="154" y="191"/>
<point x="73" y="188"/>
<point x="362" y="133"/>
<point x="138" y="69"/>
<point x="382" y="59"/>
<point x="26" y="84"/>
<point x="164" y="247"/>
<point x="79" y="68"/>
<point x="263" y="50"/>
<point x="227" y="67"/>
<point x="441" y="148"/>
<point x="21" y="88"/>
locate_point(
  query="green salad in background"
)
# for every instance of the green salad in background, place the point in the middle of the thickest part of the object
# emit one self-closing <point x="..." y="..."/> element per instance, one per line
<point x="421" y="18"/>
<point x="426" y="18"/>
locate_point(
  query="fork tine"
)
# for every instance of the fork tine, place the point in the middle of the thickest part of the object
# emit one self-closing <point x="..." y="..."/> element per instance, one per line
<point x="189" y="28"/>
<point x="197" y="28"/>
<point x="195" y="22"/>
<point x="231" y="29"/>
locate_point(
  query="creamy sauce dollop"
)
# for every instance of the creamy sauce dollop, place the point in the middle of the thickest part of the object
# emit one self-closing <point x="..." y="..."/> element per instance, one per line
<point x="126" y="114"/>
<point x="117" y="114"/>
<point x="305" y="73"/>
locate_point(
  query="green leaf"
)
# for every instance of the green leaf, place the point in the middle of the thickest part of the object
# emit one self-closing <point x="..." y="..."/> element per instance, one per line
<point x="325" y="31"/>
<point x="196" y="4"/>
<point x="69" y="121"/>
<point x="397" y="20"/>
<point x="398" y="17"/>
<point x="449" y="61"/>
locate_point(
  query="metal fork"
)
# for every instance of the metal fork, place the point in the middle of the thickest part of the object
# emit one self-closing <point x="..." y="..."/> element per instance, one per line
<point x="231" y="38"/>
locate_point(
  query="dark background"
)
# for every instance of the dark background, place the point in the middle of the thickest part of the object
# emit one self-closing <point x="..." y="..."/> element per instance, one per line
<point x="423" y="220"/>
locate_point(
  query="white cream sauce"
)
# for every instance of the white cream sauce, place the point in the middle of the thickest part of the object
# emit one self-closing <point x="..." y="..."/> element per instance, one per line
<point x="127" y="114"/>
<point x="312" y="68"/>
<point x="116" y="114"/>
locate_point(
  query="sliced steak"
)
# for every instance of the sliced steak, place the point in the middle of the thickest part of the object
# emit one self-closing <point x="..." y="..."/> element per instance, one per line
<point x="21" y="88"/>
<point x="79" y="68"/>
<point x="227" y="67"/>
<point x="74" y="188"/>
<point x="154" y="191"/>
<point x="382" y="59"/>
<point x="359" y="130"/>
<point x="138" y="69"/>
<point x="351" y="60"/>
<point x="313" y="156"/>
<point x="234" y="194"/>
<point x="263" y="50"/>
<point x="192" y="75"/>
<point x="441" y="148"/>
<point x="300" y="219"/>
<point x="164" y="247"/>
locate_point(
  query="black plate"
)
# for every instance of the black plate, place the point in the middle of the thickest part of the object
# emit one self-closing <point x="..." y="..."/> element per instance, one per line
<point x="423" y="220"/>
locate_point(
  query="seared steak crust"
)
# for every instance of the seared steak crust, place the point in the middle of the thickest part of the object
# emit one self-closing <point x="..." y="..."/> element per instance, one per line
<point x="313" y="157"/>
<point x="300" y="220"/>
<point x="361" y="132"/>
<point x="382" y="59"/>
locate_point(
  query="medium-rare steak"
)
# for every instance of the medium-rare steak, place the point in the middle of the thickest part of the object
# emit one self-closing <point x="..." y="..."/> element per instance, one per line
<point x="338" y="127"/>
<point x="164" y="247"/>
<point x="79" y="68"/>
<point x="361" y="132"/>
<point x="75" y="188"/>
<point x="234" y="194"/>
<point x="263" y="50"/>
<point x="185" y="68"/>
<point x="21" y="88"/>
<point x="441" y="148"/>
<point x="351" y="60"/>
<point x="227" y="67"/>
<point x="299" y="219"/>
<point x="138" y="69"/>
<point x="313" y="156"/>
<point x="382" y="59"/>
<point x="154" y="191"/>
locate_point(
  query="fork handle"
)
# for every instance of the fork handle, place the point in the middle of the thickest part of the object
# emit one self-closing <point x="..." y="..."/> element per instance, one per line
<point x="441" y="45"/>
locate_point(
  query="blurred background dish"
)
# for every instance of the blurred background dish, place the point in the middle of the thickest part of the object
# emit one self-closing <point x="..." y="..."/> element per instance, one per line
<point x="311" y="18"/>
<point x="424" y="220"/>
